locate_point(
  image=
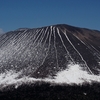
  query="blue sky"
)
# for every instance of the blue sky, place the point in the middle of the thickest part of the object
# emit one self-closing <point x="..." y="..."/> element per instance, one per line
<point x="16" y="14"/>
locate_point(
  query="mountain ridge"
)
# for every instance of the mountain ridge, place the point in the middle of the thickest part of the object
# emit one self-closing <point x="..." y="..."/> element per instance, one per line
<point x="56" y="26"/>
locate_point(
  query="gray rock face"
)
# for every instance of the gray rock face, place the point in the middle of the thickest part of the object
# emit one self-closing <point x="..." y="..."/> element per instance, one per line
<point x="42" y="52"/>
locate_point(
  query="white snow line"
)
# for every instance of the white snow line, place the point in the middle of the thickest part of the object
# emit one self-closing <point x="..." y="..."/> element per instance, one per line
<point x="95" y="49"/>
<point x="20" y="47"/>
<point x="24" y="46"/>
<point x="88" y="46"/>
<point x="64" y="45"/>
<point x="84" y="43"/>
<point x="55" y="46"/>
<point x="38" y="36"/>
<point x="78" y="52"/>
<point x="47" y="34"/>
<point x="21" y="36"/>
<point x="48" y="47"/>
<point x="40" y="39"/>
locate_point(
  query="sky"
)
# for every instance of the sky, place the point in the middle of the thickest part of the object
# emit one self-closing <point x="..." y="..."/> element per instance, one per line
<point x="16" y="14"/>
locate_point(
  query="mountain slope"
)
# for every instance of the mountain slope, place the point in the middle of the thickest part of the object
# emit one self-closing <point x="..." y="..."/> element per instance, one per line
<point x="54" y="62"/>
<point x="42" y="52"/>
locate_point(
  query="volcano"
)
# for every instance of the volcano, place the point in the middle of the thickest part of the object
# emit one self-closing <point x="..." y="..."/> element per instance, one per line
<point x="57" y="54"/>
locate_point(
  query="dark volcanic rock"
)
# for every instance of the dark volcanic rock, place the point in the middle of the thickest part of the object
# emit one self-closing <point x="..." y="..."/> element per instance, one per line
<point x="44" y="51"/>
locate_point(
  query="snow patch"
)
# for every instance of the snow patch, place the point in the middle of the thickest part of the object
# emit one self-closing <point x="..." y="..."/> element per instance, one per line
<point x="74" y="74"/>
<point x="12" y="78"/>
